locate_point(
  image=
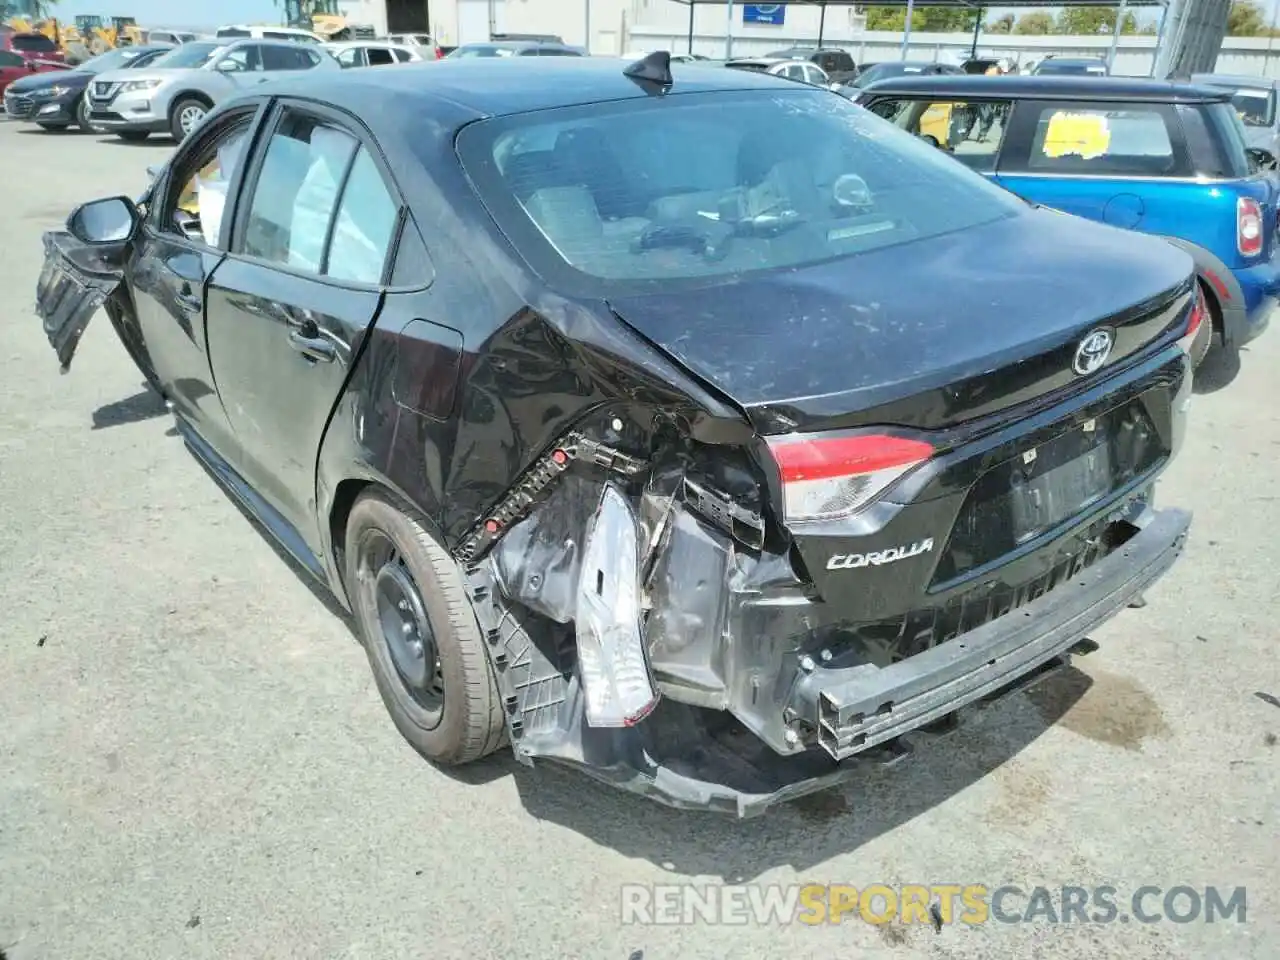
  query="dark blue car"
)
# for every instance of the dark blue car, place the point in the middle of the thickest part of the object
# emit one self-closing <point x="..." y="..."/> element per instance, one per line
<point x="1161" y="158"/>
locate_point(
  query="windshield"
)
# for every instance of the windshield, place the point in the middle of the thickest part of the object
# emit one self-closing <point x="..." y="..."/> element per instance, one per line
<point x="481" y="50"/>
<point x="187" y="56"/>
<point x="640" y="194"/>
<point x="111" y="60"/>
<point x="33" y="43"/>
<point x="1255" y="107"/>
<point x="879" y="71"/>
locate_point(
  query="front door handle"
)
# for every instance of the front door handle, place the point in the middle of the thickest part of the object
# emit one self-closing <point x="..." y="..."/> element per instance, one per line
<point x="316" y="349"/>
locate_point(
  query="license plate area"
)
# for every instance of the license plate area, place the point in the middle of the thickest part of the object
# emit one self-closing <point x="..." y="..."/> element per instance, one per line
<point x="1038" y="489"/>
<point x="1043" y="495"/>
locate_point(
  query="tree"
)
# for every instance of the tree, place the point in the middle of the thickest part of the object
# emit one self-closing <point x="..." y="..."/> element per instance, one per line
<point x="1245" y="19"/>
<point x="1001" y="25"/>
<point x="1034" y="24"/>
<point x="925" y="19"/>
<point x="1093" y="20"/>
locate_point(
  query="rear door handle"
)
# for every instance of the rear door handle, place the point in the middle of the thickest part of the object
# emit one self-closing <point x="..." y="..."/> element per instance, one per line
<point x="316" y="349"/>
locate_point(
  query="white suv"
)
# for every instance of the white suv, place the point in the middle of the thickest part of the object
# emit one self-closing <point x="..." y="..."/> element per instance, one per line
<point x="241" y="31"/>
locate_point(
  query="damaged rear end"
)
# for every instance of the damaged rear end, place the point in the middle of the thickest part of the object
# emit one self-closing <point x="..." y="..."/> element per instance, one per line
<point x="727" y="626"/>
<point x="955" y="409"/>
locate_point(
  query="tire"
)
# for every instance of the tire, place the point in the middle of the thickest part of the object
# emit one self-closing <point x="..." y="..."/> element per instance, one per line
<point x="1201" y="345"/>
<point x="387" y="542"/>
<point x="82" y="118"/>
<point x="133" y="136"/>
<point x="185" y="116"/>
<point x="52" y="127"/>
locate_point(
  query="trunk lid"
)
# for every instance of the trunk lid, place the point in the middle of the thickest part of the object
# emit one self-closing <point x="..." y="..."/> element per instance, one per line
<point x="924" y="334"/>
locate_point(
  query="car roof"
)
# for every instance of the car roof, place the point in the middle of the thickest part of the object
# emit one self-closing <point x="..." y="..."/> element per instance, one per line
<point x="1232" y="79"/>
<point x="482" y="87"/>
<point x="363" y="43"/>
<point x="1052" y="88"/>
<point x="763" y="61"/>
<point x="1089" y="60"/>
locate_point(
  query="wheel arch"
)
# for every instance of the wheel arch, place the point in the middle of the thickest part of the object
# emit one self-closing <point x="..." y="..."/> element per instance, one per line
<point x="1221" y="287"/>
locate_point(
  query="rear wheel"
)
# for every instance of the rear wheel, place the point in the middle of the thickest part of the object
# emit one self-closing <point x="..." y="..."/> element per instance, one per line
<point x="419" y="633"/>
<point x="186" y="116"/>
<point x="133" y="136"/>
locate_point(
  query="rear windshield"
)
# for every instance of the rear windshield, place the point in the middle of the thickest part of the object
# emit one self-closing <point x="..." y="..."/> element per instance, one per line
<point x="1257" y="108"/>
<point x="1073" y="69"/>
<point x="636" y="195"/>
<point x="481" y="50"/>
<point x="32" y="43"/>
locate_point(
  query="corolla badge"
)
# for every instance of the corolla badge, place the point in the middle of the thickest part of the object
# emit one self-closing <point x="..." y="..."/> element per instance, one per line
<point x="876" y="558"/>
<point x="1092" y="352"/>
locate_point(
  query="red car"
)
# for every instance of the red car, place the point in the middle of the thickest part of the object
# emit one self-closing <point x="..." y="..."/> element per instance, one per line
<point x="31" y="46"/>
<point x="14" y="67"/>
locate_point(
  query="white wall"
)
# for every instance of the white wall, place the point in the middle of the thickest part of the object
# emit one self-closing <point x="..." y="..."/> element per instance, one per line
<point x="621" y="26"/>
<point x="365" y="12"/>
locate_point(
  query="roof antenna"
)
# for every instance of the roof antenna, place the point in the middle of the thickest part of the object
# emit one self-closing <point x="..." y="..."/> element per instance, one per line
<point x="653" y="69"/>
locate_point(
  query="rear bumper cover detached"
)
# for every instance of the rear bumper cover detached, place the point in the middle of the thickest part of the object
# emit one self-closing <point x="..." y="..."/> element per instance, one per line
<point x="671" y="758"/>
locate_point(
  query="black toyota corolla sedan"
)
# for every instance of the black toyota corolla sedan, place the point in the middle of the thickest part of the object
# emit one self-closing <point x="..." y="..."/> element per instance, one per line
<point x="693" y="427"/>
<point x="56" y="101"/>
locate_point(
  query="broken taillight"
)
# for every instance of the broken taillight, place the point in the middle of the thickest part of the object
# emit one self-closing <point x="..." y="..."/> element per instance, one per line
<point x="1249" y="233"/>
<point x="830" y="477"/>
<point x="611" y="655"/>
<point x="1195" y="317"/>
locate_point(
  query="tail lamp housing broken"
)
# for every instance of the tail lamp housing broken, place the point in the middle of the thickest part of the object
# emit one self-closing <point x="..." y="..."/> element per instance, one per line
<point x="831" y="477"/>
<point x="612" y="661"/>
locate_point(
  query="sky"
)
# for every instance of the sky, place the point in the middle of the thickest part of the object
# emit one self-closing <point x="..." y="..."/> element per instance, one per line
<point x="162" y="13"/>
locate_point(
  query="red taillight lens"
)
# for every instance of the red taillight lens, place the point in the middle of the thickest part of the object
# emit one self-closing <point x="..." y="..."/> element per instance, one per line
<point x="1249" y="234"/>
<point x="829" y="478"/>
<point x="1195" y="317"/>
<point x="439" y="54"/>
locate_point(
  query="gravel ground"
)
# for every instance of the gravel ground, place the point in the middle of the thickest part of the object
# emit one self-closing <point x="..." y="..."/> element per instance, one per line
<point x="194" y="761"/>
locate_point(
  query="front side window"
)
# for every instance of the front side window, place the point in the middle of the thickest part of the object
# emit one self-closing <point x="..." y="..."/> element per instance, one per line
<point x="246" y="58"/>
<point x="349" y="57"/>
<point x="1099" y="139"/>
<point x="198" y="192"/>
<point x="297" y="201"/>
<point x="970" y="132"/>
<point x="288" y="58"/>
<point x="626" y="196"/>
<point x="1257" y="108"/>
<point x="380" y="57"/>
<point x="9" y="60"/>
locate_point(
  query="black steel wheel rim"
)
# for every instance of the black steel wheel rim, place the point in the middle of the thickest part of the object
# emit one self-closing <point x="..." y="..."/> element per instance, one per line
<point x="401" y="622"/>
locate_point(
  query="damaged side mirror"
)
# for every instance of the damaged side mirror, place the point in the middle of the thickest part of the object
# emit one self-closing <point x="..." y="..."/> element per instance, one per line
<point x="113" y="220"/>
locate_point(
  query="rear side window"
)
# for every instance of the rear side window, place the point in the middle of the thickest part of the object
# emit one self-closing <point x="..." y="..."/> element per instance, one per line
<point x="1214" y="141"/>
<point x="379" y="57"/>
<point x="1120" y="139"/>
<point x="318" y="183"/>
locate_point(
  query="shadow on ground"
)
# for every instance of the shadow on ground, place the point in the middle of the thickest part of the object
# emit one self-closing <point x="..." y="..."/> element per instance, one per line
<point x="1217" y="370"/>
<point x="800" y="834"/>
<point x="144" y="405"/>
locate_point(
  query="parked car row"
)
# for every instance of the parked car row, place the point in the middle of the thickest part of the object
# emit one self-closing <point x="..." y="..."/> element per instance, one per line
<point x="704" y="442"/>
<point x="137" y="91"/>
<point x="1169" y="159"/>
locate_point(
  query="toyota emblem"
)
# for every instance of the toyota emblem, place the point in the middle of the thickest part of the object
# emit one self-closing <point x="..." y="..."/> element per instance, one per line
<point x="1092" y="352"/>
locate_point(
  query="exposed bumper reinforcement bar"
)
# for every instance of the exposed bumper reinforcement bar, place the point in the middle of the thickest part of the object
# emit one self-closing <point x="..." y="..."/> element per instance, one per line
<point x="858" y="707"/>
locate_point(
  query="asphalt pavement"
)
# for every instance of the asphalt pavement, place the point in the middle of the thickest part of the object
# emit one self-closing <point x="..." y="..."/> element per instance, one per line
<point x="194" y="761"/>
